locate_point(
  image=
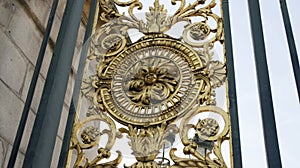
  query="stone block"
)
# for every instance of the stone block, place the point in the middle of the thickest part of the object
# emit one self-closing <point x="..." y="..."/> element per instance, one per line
<point x="3" y="150"/>
<point x="56" y="153"/>
<point x="75" y="60"/>
<point x="38" y="89"/>
<point x="27" y="131"/>
<point x="7" y="9"/>
<point x="11" y="108"/>
<point x="25" y="34"/>
<point x="63" y="121"/>
<point x="81" y="32"/>
<point x="69" y="91"/>
<point x="41" y="9"/>
<point x="19" y="160"/>
<point x="60" y="7"/>
<point x="46" y="62"/>
<point x="13" y="65"/>
<point x="55" y="28"/>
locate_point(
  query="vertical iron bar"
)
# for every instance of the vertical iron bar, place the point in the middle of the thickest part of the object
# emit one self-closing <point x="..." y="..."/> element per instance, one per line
<point x="72" y="111"/>
<point x="236" y="144"/>
<point x="265" y="95"/>
<point x="43" y="136"/>
<point x="292" y="45"/>
<point x="32" y="87"/>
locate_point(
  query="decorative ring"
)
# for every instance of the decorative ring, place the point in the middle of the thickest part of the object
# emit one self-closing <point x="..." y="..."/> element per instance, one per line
<point x="152" y="81"/>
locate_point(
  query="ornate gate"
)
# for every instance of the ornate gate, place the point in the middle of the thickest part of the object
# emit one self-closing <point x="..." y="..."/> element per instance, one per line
<point x="163" y="90"/>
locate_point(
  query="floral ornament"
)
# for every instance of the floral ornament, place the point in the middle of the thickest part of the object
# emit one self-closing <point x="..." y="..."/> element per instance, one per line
<point x="216" y="73"/>
<point x="89" y="134"/>
<point x="88" y="86"/>
<point x="153" y="82"/>
<point x="199" y="31"/>
<point x="207" y="127"/>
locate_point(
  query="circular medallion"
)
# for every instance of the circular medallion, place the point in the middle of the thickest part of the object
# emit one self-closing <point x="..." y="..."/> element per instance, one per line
<point x="152" y="81"/>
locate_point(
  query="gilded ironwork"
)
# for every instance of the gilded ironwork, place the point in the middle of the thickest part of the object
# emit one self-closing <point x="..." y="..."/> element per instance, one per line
<point x="152" y="80"/>
<point x="207" y="127"/>
<point x="149" y="84"/>
<point x="205" y="133"/>
<point x="146" y="142"/>
<point x="89" y="138"/>
<point x="134" y="98"/>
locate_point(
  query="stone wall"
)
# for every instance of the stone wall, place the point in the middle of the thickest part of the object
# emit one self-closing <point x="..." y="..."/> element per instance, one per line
<point x="22" y="25"/>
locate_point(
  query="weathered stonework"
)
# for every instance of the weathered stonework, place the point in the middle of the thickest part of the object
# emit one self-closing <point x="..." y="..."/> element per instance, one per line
<point x="22" y="25"/>
<point x="24" y="34"/>
<point x="38" y="89"/>
<point x="13" y="65"/>
<point x="56" y="152"/>
<point x="7" y="10"/>
<point x="3" y="149"/>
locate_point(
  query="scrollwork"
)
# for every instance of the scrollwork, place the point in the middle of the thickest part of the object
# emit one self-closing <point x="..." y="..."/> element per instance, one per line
<point x="105" y="43"/>
<point x="109" y="10"/>
<point x="89" y="138"/>
<point x="207" y="130"/>
<point x="148" y="84"/>
<point x="198" y="34"/>
<point x="157" y="20"/>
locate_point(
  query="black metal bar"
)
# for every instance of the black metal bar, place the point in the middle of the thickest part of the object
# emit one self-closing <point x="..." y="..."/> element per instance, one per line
<point x="83" y="54"/>
<point x="72" y="111"/>
<point x="32" y="87"/>
<point x="265" y="95"/>
<point x="43" y="136"/>
<point x="292" y="45"/>
<point x="235" y="132"/>
<point x="67" y="136"/>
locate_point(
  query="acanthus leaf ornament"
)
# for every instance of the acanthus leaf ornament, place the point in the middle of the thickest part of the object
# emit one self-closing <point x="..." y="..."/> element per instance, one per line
<point x="149" y="84"/>
<point x="157" y="20"/>
<point x="146" y="142"/>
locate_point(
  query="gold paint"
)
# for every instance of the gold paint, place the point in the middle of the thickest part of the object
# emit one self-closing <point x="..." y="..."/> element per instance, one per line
<point x="148" y="84"/>
<point x="158" y="57"/>
<point x="207" y="127"/>
<point x="90" y="137"/>
<point x="191" y="147"/>
<point x="152" y="82"/>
